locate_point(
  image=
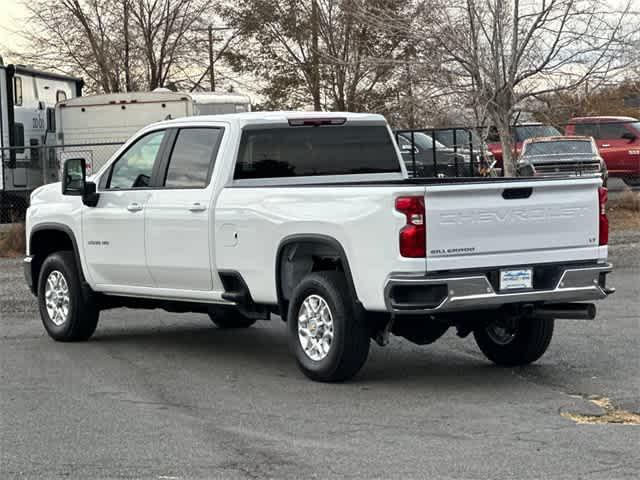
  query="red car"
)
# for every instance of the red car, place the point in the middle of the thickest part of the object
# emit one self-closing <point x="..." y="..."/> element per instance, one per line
<point x="618" y="140"/>
<point x="521" y="132"/>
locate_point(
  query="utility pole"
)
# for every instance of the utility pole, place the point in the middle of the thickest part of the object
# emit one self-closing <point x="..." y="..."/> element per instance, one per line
<point x="315" y="68"/>
<point x="212" y="75"/>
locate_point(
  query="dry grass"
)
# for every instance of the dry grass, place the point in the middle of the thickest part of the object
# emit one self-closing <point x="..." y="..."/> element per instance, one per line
<point x="610" y="414"/>
<point x="12" y="242"/>
<point x="630" y="200"/>
<point x="624" y="213"/>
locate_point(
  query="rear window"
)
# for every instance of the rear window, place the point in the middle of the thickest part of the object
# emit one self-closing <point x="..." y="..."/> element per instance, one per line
<point x="577" y="147"/>
<point x="524" y="132"/>
<point x="309" y="151"/>
<point x="192" y="158"/>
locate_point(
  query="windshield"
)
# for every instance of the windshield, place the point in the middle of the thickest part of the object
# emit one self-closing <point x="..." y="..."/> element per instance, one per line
<point x="421" y="140"/>
<point x="635" y="126"/>
<point x="570" y="147"/>
<point x="524" y="132"/>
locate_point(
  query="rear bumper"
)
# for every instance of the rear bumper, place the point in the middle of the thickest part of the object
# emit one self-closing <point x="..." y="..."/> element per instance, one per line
<point x="409" y="293"/>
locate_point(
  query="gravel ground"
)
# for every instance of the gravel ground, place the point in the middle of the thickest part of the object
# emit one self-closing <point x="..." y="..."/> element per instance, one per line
<point x="161" y="396"/>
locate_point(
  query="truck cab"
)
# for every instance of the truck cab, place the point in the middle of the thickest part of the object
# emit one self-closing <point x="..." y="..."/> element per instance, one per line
<point x="618" y="141"/>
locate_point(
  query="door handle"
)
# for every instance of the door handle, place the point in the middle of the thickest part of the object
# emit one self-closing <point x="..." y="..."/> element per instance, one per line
<point x="197" y="207"/>
<point x="605" y="145"/>
<point x="134" y="207"/>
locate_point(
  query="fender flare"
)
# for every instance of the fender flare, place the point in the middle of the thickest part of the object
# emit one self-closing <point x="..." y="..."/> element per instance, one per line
<point x="60" y="227"/>
<point x="313" y="238"/>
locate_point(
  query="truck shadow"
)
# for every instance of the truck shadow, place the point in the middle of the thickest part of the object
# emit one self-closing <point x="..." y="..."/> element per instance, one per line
<point x="264" y="348"/>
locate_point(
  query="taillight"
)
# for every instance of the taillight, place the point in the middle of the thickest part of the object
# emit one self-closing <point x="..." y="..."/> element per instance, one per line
<point x="413" y="236"/>
<point x="603" y="196"/>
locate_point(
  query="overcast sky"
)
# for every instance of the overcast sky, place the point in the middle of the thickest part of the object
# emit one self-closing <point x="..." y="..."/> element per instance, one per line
<point x="12" y="12"/>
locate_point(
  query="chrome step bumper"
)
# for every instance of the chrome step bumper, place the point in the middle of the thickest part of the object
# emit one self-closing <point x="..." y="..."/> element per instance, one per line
<point x="474" y="291"/>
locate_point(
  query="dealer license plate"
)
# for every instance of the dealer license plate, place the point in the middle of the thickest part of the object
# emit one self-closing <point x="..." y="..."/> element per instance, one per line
<point x="516" y="279"/>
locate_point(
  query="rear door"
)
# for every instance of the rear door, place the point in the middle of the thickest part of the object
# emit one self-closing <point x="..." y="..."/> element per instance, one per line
<point x="511" y="223"/>
<point x="179" y="217"/>
<point x="613" y="148"/>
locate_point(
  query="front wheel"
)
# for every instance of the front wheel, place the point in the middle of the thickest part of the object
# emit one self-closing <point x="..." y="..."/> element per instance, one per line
<point x="511" y="342"/>
<point x="328" y="337"/>
<point x="66" y="313"/>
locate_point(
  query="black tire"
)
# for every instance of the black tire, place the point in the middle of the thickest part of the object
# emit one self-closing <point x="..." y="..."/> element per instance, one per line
<point x="349" y="347"/>
<point x="229" y="317"/>
<point x="82" y="317"/>
<point x="632" y="181"/>
<point x="530" y="340"/>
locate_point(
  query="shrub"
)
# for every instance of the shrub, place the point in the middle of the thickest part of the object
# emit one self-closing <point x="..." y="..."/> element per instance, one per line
<point x="630" y="200"/>
<point x="12" y="242"/>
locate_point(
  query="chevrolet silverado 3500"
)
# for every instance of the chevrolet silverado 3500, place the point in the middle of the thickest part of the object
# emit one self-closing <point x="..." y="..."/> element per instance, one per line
<point x="311" y="216"/>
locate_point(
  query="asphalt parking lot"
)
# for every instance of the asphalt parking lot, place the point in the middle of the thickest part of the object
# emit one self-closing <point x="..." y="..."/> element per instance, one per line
<point x="161" y="396"/>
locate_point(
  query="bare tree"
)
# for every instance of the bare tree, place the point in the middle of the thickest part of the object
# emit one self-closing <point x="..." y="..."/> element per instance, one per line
<point x="498" y="54"/>
<point x="116" y="45"/>
<point x="317" y="52"/>
<point x="165" y="28"/>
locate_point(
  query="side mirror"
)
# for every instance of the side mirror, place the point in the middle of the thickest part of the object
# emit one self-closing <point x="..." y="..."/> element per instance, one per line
<point x="74" y="176"/>
<point x="74" y="182"/>
<point x="629" y="136"/>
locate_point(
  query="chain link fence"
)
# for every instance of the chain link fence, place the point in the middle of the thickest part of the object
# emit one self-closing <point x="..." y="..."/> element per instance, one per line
<point x="26" y="168"/>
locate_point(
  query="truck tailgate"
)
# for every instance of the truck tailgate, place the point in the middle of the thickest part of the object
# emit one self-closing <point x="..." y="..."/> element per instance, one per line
<point x="511" y="223"/>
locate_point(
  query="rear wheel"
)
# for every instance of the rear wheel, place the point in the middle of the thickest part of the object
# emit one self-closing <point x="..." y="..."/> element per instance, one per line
<point x="514" y="341"/>
<point x="328" y="337"/>
<point x="229" y="317"/>
<point x="65" y="311"/>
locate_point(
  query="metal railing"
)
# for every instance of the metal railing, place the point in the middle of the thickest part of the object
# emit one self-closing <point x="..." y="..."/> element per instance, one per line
<point x="444" y="152"/>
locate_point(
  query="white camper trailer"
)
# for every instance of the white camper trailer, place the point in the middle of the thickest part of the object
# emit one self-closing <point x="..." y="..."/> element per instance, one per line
<point x="27" y="122"/>
<point x="93" y="127"/>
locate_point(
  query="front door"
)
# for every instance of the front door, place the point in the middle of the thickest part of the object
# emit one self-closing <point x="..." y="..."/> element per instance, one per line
<point x="179" y="217"/>
<point x="614" y="149"/>
<point x="113" y="231"/>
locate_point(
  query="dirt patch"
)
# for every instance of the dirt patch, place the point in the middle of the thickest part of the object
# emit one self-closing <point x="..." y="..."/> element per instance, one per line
<point x="610" y="415"/>
<point x="12" y="241"/>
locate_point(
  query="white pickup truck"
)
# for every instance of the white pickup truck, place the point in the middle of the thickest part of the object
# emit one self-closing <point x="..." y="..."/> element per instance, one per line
<point x="311" y="216"/>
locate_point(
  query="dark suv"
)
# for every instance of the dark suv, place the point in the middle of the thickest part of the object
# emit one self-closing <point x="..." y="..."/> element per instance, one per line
<point x="618" y="141"/>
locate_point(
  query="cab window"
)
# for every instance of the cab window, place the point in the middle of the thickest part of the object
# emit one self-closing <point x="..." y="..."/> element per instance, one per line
<point x="611" y="131"/>
<point x="135" y="167"/>
<point x="192" y="158"/>
<point x="586" y="130"/>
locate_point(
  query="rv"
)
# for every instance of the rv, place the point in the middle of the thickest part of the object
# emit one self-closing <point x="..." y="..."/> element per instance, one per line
<point x="93" y="127"/>
<point x="27" y="122"/>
